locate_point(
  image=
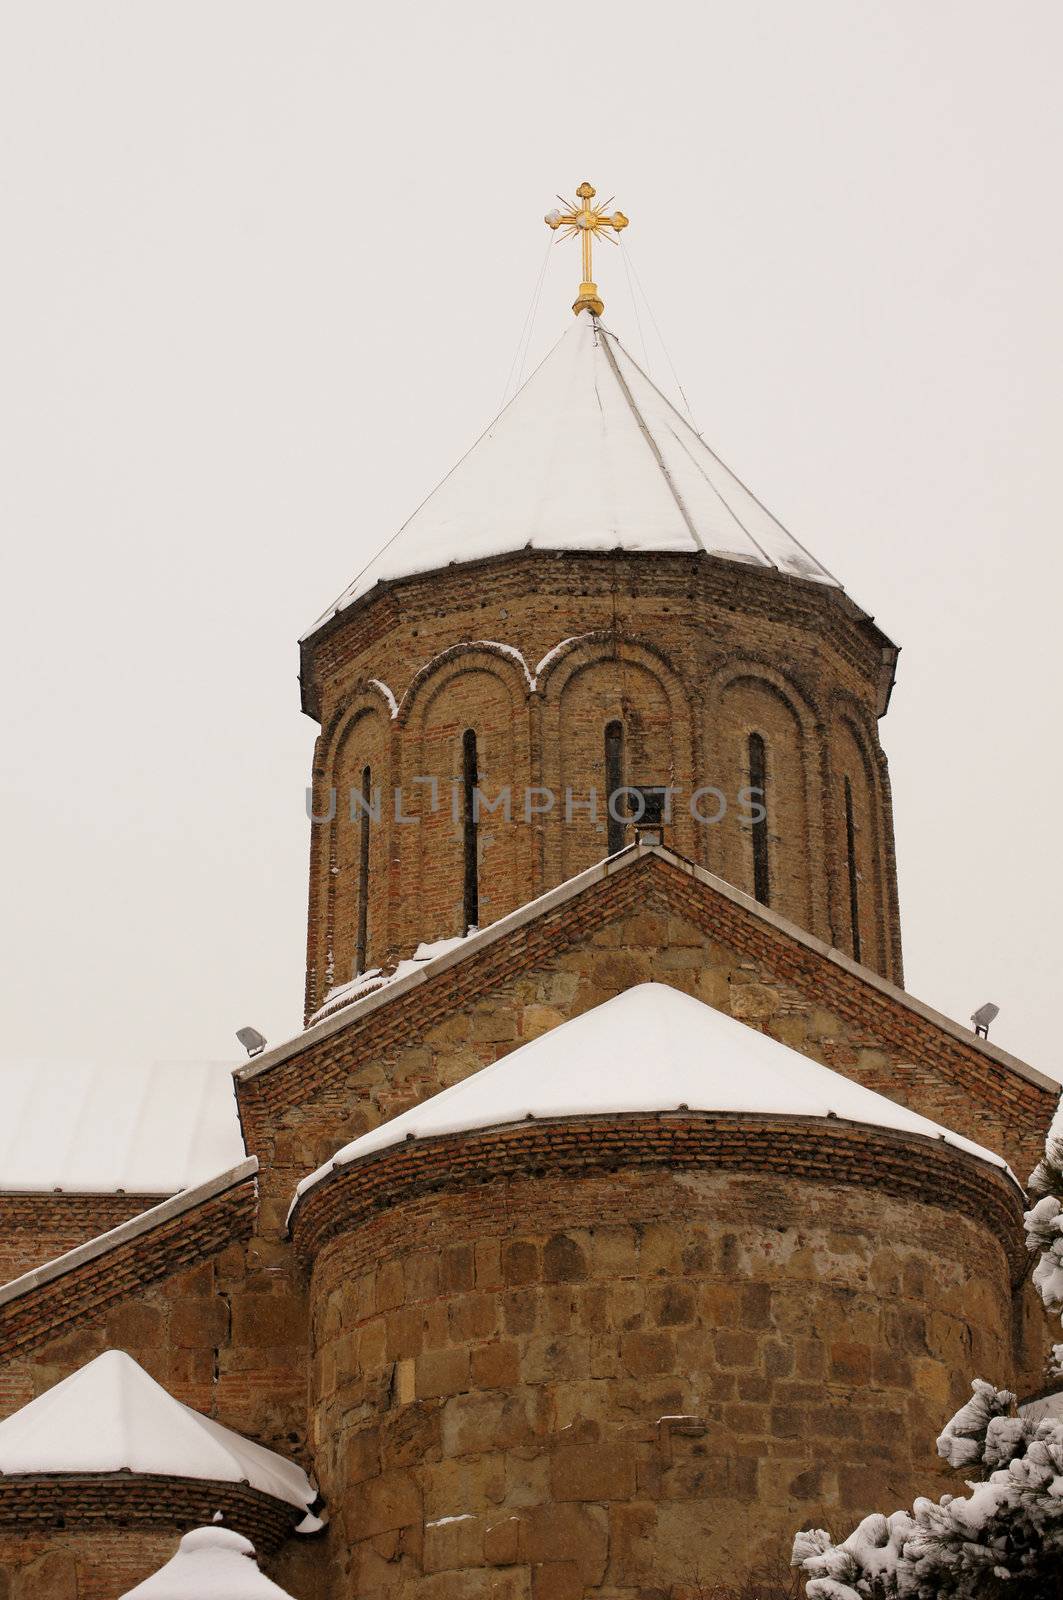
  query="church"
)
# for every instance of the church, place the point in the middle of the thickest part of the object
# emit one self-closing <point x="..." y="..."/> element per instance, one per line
<point x="617" y="1212"/>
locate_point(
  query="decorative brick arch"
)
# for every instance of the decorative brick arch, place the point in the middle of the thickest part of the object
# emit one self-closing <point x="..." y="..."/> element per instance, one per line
<point x="365" y="716"/>
<point x="483" y="686"/>
<point x="795" y="772"/>
<point x="849" y="719"/>
<point x="615" y="676"/>
<point x="368" y="694"/>
<point x="489" y="654"/>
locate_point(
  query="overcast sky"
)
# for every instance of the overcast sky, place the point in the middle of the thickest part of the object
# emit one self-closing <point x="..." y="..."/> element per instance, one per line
<point x="265" y="272"/>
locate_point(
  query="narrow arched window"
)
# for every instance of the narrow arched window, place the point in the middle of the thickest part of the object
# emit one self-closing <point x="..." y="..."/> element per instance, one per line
<point x="614" y="781"/>
<point x="469" y="780"/>
<point x="758" y="783"/>
<point x="361" y="945"/>
<point x="854" y="876"/>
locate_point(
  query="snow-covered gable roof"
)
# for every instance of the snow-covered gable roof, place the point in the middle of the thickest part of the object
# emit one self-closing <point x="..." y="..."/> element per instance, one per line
<point x="651" y="1048"/>
<point x="111" y="1416"/>
<point x="98" y="1128"/>
<point x="210" y="1564"/>
<point x="589" y="455"/>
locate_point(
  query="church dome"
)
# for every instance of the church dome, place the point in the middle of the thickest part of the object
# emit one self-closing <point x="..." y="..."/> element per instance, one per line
<point x="589" y="601"/>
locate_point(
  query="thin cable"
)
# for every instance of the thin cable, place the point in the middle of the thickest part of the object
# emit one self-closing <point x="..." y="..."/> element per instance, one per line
<point x="524" y="328"/>
<point x="536" y="303"/>
<point x="635" y="307"/>
<point x="352" y="586"/>
<point x="660" y="336"/>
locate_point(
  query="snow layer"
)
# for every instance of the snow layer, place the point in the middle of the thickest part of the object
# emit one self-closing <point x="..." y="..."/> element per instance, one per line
<point x="95" y="1128"/>
<point x="651" y="1048"/>
<point x="587" y="456"/>
<point x="210" y="1564"/>
<point x="110" y="1416"/>
<point x="376" y="977"/>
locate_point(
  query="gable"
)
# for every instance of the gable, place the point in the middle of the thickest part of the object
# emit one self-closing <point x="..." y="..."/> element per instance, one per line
<point x="648" y="917"/>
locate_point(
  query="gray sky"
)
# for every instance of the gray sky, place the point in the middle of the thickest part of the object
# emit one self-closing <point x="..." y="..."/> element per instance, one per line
<point x="265" y="272"/>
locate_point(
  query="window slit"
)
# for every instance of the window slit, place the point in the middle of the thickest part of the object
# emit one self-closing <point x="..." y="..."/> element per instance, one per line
<point x="758" y="785"/>
<point x="616" y="831"/>
<point x="363" y="875"/>
<point x="470" y="779"/>
<point x="854" y="878"/>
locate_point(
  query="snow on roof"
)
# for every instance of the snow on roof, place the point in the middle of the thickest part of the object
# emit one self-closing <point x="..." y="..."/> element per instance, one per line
<point x="589" y="455"/>
<point x="91" y="1127"/>
<point x="651" y="1048"/>
<point x="342" y="994"/>
<point x="111" y="1416"/>
<point x="210" y="1564"/>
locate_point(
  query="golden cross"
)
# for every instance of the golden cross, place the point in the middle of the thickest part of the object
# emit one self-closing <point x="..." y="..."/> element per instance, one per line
<point x="586" y="220"/>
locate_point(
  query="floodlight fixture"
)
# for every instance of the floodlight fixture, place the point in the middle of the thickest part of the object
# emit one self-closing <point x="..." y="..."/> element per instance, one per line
<point x="253" y="1041"/>
<point x="647" y="803"/>
<point x="983" y="1017"/>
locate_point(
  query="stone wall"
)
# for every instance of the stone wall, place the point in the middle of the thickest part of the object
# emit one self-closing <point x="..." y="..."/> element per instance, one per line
<point x="543" y="1386"/>
<point x="537" y="654"/>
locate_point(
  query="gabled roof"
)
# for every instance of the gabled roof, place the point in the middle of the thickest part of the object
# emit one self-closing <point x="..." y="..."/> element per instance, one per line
<point x="210" y="1564"/>
<point x="110" y="1416"/>
<point x="588" y="456"/>
<point x="291" y="1053"/>
<point x="651" y="1048"/>
<point x="102" y="1127"/>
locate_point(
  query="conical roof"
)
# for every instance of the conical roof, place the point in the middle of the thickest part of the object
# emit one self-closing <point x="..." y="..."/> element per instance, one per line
<point x="210" y="1564"/>
<point x="589" y="455"/>
<point x="111" y="1416"/>
<point x="651" y="1048"/>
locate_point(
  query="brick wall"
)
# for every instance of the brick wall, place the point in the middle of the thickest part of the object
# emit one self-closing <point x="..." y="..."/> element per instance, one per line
<point x="692" y="656"/>
<point x="35" y="1228"/>
<point x="105" y="1561"/>
<point x="81" y="1563"/>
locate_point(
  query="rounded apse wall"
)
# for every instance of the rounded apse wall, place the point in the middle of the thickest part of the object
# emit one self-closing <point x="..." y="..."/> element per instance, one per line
<point x="610" y="1354"/>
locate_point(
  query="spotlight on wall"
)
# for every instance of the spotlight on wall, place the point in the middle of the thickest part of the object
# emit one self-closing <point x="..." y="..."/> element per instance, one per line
<point x="253" y="1041"/>
<point x="983" y="1017"/>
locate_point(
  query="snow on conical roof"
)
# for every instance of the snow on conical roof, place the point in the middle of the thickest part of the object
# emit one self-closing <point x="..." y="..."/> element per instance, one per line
<point x="589" y="455"/>
<point x="210" y="1564"/>
<point x="651" y="1048"/>
<point x="111" y="1416"/>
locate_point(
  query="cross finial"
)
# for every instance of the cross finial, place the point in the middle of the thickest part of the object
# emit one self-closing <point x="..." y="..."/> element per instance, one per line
<point x="586" y="219"/>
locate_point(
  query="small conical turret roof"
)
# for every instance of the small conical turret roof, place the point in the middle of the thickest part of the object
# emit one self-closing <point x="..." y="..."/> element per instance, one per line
<point x="111" y="1416"/>
<point x="210" y="1564"/>
<point x="588" y="456"/>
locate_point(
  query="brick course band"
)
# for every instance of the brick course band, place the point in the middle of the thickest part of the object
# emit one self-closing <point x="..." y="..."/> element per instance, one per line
<point x="38" y="1227"/>
<point x="817" y="1149"/>
<point x="35" y="1501"/>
